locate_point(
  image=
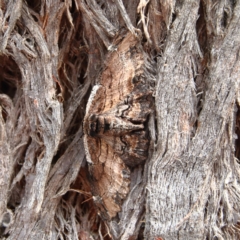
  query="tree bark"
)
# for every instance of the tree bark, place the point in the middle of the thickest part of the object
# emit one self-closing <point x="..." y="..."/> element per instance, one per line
<point x="53" y="53"/>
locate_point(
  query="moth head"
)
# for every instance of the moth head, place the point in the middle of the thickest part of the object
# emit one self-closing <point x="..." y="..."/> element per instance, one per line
<point x="96" y="125"/>
<point x="93" y="125"/>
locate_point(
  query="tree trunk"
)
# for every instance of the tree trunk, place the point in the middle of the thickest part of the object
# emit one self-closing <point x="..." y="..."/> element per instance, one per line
<point x="119" y="119"/>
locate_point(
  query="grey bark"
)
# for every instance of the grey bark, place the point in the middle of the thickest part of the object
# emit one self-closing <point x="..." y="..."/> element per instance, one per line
<point x="51" y="53"/>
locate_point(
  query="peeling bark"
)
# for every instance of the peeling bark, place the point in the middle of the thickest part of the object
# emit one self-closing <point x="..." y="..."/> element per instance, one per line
<point x="52" y="53"/>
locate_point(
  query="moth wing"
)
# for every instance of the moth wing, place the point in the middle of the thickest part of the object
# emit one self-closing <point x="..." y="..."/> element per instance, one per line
<point x="111" y="177"/>
<point x="120" y="70"/>
<point x="96" y="100"/>
<point x="132" y="147"/>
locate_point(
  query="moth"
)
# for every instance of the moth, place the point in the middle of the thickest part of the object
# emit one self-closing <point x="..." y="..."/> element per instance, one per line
<point x="115" y="125"/>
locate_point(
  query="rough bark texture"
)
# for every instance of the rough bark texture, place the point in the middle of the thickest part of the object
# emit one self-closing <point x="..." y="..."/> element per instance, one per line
<point x="52" y="53"/>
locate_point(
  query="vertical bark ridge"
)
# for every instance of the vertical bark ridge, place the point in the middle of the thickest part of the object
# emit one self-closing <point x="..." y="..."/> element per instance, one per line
<point x="193" y="177"/>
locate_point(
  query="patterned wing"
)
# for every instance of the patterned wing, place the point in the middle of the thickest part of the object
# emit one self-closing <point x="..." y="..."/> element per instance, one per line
<point x="115" y="134"/>
<point x="110" y="177"/>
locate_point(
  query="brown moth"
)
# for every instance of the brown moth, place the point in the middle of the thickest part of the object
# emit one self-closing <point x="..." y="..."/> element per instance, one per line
<point x="115" y="135"/>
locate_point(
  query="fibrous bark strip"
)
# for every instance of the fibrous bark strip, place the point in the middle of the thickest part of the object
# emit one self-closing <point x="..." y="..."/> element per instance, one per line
<point x="185" y="182"/>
